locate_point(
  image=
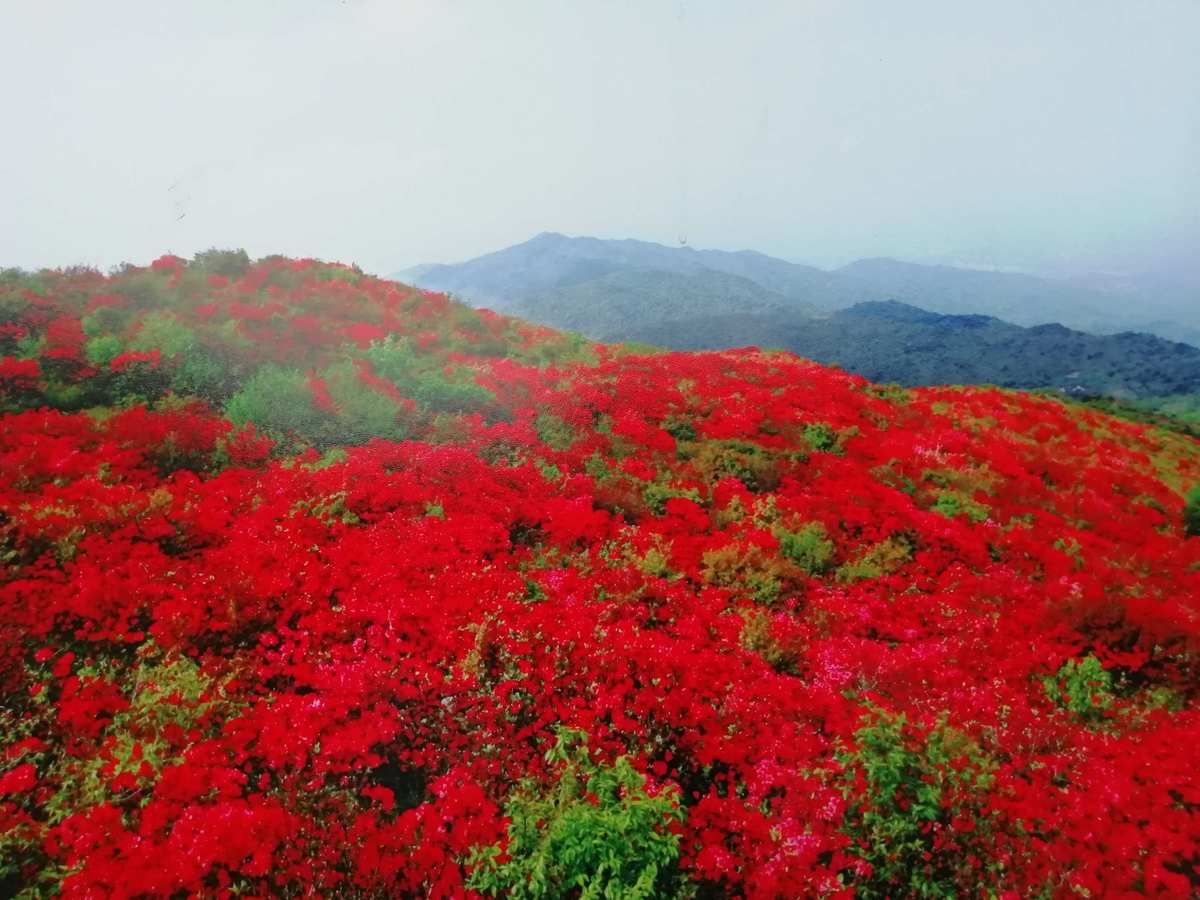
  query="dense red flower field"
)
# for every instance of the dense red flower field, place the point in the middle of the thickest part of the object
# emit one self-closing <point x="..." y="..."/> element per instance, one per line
<point x="315" y="583"/>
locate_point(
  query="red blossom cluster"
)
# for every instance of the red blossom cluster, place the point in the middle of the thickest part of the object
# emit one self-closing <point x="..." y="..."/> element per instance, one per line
<point x="824" y="611"/>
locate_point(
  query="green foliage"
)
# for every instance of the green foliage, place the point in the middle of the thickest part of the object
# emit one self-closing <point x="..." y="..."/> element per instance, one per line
<point x="554" y="432"/>
<point x="820" y="436"/>
<point x="745" y="570"/>
<point x="750" y="464"/>
<point x="809" y="548"/>
<point x="596" y="833"/>
<point x="362" y="412"/>
<point x="916" y="810"/>
<point x="331" y="457"/>
<point x="882" y="559"/>
<point x="164" y="332"/>
<point x="679" y="428"/>
<point x="656" y="495"/>
<point x="329" y="510"/>
<point x="146" y="289"/>
<point x="230" y="263"/>
<point x="204" y="374"/>
<point x="1191" y="513"/>
<point x="278" y="401"/>
<point x="426" y="380"/>
<point x="100" y="351"/>
<point x="1082" y="687"/>
<point x="956" y="503"/>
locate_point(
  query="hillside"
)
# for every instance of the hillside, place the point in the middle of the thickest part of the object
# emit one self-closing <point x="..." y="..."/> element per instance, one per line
<point x="518" y="278"/>
<point x="318" y="584"/>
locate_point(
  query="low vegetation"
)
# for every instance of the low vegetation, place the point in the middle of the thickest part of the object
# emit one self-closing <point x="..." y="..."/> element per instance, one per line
<point x="314" y="583"/>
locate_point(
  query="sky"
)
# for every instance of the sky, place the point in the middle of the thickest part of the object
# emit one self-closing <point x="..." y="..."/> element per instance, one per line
<point x="1026" y="134"/>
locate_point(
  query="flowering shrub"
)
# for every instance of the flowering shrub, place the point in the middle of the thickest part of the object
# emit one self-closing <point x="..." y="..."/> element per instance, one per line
<point x="299" y="585"/>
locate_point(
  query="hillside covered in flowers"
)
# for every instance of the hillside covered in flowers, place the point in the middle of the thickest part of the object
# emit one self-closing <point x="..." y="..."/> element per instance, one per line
<point x="314" y="583"/>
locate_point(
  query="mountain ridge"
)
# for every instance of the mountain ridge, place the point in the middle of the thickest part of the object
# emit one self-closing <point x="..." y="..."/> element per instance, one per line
<point x="684" y="298"/>
<point x="509" y="276"/>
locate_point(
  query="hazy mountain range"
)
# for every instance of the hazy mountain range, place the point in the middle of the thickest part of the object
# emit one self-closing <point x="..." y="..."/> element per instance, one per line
<point x="885" y="319"/>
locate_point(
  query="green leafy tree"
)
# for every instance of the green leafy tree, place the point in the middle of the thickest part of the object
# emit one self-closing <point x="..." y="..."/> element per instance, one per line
<point x="597" y="833"/>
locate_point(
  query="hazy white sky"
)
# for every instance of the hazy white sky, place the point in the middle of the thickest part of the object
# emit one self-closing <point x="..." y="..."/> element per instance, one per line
<point x="1020" y="133"/>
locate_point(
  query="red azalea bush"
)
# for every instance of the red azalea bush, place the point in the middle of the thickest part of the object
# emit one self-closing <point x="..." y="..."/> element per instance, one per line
<point x="305" y="573"/>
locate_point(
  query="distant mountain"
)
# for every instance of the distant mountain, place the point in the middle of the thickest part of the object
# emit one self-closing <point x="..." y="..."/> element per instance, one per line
<point x="518" y="278"/>
<point x="620" y="304"/>
<point x="525" y="279"/>
<point x="893" y="341"/>
<point x="1168" y="301"/>
<point x="1017" y="298"/>
<point x="884" y="319"/>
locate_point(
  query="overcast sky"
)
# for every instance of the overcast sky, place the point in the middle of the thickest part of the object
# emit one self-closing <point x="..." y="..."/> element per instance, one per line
<point x="1022" y="133"/>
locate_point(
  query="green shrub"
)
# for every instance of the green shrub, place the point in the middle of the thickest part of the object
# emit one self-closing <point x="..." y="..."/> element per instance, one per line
<point x="554" y="432"/>
<point x="956" y="503"/>
<point x="754" y="466"/>
<point x="917" y="810"/>
<point x="596" y="833"/>
<point x="1083" y="687"/>
<point x="821" y="437"/>
<point x="884" y="558"/>
<point x="362" y="412"/>
<point x="759" y="637"/>
<point x="746" y="570"/>
<point x="809" y="548"/>
<point x="442" y="393"/>
<point x="164" y="332"/>
<point x="278" y="401"/>
<point x="203" y="373"/>
<point x="230" y="263"/>
<point x="1191" y="513"/>
<point x="100" y="351"/>
<point x="425" y="380"/>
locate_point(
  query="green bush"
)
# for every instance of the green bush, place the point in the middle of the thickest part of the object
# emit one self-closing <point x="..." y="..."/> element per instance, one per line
<point x="162" y="331"/>
<point x="425" y="381"/>
<point x="1191" y="513"/>
<point x="809" y="548"/>
<point x="230" y="263"/>
<point x="100" y="351"/>
<point x="1083" y="687"/>
<point x="362" y="412"/>
<point x="596" y="833"/>
<point x="956" y="503"/>
<point x="821" y="437"/>
<point x="203" y="373"/>
<point x="278" y="401"/>
<point x="916" y="810"/>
